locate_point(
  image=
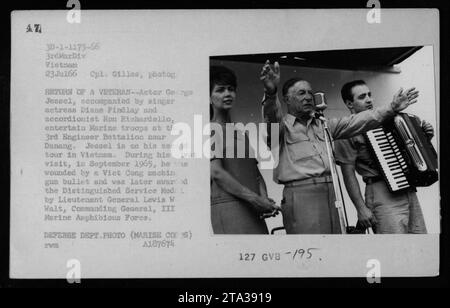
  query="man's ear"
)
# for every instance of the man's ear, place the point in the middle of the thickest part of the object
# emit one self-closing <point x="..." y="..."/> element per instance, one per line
<point x="349" y="104"/>
<point x="286" y="100"/>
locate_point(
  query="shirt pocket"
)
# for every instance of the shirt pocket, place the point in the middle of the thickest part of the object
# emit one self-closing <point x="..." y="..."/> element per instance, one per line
<point x="300" y="148"/>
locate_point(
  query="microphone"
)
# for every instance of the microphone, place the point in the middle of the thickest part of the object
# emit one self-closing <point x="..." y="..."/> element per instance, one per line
<point x="320" y="103"/>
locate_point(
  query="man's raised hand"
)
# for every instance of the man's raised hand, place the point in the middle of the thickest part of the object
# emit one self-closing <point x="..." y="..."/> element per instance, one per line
<point x="404" y="99"/>
<point x="270" y="77"/>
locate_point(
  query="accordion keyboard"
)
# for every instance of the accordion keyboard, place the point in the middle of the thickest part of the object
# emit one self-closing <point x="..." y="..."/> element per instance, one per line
<point x="391" y="161"/>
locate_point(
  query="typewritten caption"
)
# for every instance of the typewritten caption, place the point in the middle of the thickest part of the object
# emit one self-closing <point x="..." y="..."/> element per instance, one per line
<point x="106" y="150"/>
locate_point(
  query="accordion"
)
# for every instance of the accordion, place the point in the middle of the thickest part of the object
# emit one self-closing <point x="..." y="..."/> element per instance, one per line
<point x="404" y="153"/>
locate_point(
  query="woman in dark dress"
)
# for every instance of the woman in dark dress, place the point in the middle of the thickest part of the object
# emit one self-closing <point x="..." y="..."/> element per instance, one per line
<point x="239" y="199"/>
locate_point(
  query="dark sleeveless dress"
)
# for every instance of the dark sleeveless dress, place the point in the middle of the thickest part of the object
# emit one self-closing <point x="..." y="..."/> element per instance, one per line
<point x="229" y="214"/>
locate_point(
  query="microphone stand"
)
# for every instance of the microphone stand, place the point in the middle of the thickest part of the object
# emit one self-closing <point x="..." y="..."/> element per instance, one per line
<point x="337" y="192"/>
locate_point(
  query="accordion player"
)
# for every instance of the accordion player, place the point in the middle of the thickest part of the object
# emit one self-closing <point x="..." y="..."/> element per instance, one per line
<point x="404" y="153"/>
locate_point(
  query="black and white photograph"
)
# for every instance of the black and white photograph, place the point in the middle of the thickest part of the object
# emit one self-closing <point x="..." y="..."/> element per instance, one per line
<point x="373" y="133"/>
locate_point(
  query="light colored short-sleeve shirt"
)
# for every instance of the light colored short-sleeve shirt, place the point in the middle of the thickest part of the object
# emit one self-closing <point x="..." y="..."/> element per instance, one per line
<point x="355" y="151"/>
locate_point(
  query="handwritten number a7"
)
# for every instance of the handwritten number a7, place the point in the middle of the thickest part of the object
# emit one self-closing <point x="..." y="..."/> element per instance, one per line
<point x="36" y="28"/>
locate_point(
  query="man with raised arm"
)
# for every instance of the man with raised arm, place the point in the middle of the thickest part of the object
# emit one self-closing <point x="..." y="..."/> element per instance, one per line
<point x="381" y="210"/>
<point x="308" y="205"/>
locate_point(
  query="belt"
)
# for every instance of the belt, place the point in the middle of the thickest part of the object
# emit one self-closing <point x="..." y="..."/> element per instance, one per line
<point x="372" y="179"/>
<point x="315" y="180"/>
